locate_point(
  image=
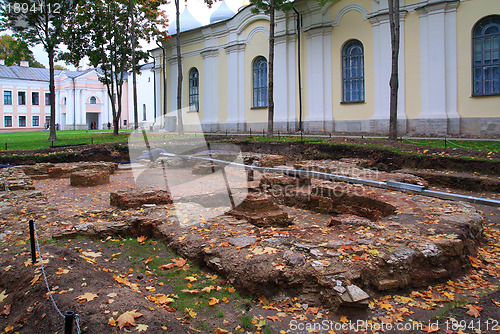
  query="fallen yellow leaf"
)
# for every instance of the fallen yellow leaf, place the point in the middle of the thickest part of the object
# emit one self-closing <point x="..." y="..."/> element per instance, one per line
<point x="35" y="279"/>
<point x="141" y="328"/>
<point x="3" y="296"/>
<point x="86" y="297"/>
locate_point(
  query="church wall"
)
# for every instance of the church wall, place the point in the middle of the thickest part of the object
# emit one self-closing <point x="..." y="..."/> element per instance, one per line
<point x="222" y="95"/>
<point x="340" y="5"/>
<point x="187" y="64"/>
<point x="193" y="47"/>
<point x="479" y="114"/>
<point x="412" y="65"/>
<point x="305" y="79"/>
<point x="352" y="26"/>
<point x="258" y="46"/>
<point x="221" y="40"/>
<point x="435" y="70"/>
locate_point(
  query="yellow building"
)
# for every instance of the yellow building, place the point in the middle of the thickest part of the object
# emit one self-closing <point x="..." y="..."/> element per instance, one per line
<point x="449" y="68"/>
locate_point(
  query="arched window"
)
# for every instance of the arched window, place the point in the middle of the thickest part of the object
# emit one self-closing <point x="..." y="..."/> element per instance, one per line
<point x="353" y="72"/>
<point x="485" y="63"/>
<point x="194" y="90"/>
<point x="93" y="100"/>
<point x="259" y="82"/>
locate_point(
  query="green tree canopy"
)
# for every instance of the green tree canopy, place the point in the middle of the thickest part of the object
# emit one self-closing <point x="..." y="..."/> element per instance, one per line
<point x="39" y="23"/>
<point x="59" y="67"/>
<point x="13" y="51"/>
<point x="101" y="30"/>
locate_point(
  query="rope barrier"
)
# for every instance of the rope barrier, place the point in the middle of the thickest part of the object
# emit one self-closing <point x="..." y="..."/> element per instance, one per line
<point x="47" y="282"/>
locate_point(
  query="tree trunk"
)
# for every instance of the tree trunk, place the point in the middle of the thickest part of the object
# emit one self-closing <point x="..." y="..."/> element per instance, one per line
<point x="270" y="87"/>
<point x="394" y="81"/>
<point x="134" y="75"/>
<point x="52" y="90"/>
<point x="180" y="125"/>
<point x="116" y="125"/>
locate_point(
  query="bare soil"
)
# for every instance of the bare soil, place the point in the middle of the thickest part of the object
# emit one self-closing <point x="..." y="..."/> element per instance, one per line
<point x="471" y="298"/>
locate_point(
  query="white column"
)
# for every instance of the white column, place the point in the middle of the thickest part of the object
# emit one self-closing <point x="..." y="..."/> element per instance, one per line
<point x="81" y="108"/>
<point x="58" y="107"/>
<point x="105" y="114"/>
<point x="438" y="53"/>
<point x="236" y="89"/>
<point x="281" y="79"/>
<point x="292" y="80"/>
<point x="319" y="55"/>
<point x="383" y="68"/>
<point x="241" y="88"/>
<point x="159" y="96"/>
<point x="173" y="86"/>
<point x="69" y="108"/>
<point x="210" y="77"/>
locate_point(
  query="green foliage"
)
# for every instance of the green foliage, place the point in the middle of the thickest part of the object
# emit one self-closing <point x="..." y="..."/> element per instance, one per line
<point x="246" y="322"/>
<point x="263" y="5"/>
<point x="102" y="31"/>
<point x="324" y="2"/>
<point x="13" y="51"/>
<point x="39" y="22"/>
<point x="59" y="67"/>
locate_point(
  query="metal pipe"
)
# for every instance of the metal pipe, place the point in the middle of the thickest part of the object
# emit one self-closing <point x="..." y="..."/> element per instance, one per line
<point x="154" y="92"/>
<point x="32" y="239"/>
<point x="69" y="317"/>
<point x="299" y="18"/>
<point x="392" y="185"/>
<point x="164" y="77"/>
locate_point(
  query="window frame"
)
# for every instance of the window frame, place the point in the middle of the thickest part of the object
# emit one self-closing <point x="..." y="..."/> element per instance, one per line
<point x="94" y="99"/>
<point x="21" y="124"/>
<point x="47" y="96"/>
<point x="35" y="102"/>
<point x="482" y="37"/>
<point x="9" y="96"/>
<point x="349" y="82"/>
<point x="33" y="118"/>
<point x="260" y="86"/>
<point x="21" y="97"/>
<point x="5" y="123"/>
<point x="194" y="89"/>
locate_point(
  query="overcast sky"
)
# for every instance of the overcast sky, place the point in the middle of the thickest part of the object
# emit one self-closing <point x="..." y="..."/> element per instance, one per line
<point x="197" y="8"/>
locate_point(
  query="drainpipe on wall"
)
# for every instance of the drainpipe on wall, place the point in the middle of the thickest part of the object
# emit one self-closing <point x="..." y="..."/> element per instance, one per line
<point x="164" y="82"/>
<point x="299" y="19"/>
<point x="154" y="92"/>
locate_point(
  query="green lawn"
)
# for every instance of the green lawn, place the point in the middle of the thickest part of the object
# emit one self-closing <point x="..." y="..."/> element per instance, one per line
<point x="493" y="146"/>
<point x="37" y="140"/>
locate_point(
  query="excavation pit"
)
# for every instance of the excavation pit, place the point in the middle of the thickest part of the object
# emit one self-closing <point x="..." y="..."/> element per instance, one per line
<point x="339" y="238"/>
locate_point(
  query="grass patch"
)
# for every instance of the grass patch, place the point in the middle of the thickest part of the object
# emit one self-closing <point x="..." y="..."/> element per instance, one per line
<point x="449" y="308"/>
<point x="195" y="289"/>
<point x="38" y="139"/>
<point x="246" y="322"/>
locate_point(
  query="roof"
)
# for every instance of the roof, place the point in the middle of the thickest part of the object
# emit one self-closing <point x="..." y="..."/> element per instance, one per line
<point x="148" y="65"/>
<point x="34" y="74"/>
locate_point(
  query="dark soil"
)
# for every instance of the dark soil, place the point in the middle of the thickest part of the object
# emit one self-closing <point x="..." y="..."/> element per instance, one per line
<point x="115" y="152"/>
<point x="416" y="156"/>
<point x="386" y="160"/>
